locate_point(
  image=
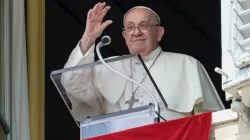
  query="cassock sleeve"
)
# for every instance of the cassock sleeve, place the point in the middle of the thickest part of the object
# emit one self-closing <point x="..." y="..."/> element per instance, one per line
<point x="85" y="98"/>
<point x="211" y="100"/>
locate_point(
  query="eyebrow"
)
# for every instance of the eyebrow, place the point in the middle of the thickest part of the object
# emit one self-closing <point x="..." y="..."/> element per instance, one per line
<point x="130" y="22"/>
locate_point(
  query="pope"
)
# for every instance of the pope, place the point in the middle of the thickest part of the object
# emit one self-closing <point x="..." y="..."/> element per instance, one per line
<point x="182" y="80"/>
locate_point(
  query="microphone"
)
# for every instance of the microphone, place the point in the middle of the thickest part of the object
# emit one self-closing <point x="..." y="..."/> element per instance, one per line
<point x="106" y="41"/>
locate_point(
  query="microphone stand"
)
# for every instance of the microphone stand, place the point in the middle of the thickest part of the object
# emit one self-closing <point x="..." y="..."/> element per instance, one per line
<point x="106" y="41"/>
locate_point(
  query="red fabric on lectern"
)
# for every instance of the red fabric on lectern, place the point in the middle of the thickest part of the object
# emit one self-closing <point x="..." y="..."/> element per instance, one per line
<point x="191" y="128"/>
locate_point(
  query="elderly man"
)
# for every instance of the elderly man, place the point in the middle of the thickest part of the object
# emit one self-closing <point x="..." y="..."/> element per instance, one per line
<point x="182" y="80"/>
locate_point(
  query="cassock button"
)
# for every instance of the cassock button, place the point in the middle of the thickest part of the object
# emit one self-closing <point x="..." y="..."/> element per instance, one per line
<point x="141" y="96"/>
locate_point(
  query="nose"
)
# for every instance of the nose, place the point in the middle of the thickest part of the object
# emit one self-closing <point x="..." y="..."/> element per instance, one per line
<point x="137" y="32"/>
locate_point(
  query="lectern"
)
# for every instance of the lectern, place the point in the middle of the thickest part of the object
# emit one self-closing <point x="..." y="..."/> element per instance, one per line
<point x="80" y="89"/>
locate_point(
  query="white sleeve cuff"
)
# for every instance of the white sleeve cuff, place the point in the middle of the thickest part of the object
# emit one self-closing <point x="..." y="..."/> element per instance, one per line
<point x="77" y="58"/>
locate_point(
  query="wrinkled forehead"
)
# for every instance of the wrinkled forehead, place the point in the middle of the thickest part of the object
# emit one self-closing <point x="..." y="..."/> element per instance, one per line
<point x="140" y="14"/>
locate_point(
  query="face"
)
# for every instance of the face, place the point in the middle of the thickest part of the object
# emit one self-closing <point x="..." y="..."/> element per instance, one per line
<point x="145" y="39"/>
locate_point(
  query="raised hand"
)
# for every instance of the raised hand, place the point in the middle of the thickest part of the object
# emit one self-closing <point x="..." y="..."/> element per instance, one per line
<point x="94" y="25"/>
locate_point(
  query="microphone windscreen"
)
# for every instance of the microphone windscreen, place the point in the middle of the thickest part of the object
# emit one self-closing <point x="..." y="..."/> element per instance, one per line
<point x="106" y="40"/>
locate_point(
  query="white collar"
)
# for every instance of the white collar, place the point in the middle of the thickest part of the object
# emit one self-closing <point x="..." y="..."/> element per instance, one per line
<point x="153" y="54"/>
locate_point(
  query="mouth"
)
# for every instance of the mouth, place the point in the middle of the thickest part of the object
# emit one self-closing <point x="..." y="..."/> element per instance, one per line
<point x="138" y="40"/>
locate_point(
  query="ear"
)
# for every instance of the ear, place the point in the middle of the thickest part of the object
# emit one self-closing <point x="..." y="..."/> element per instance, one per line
<point x="124" y="34"/>
<point x="160" y="33"/>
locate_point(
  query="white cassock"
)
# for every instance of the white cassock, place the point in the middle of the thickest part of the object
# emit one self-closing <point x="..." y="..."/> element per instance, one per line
<point x="182" y="80"/>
